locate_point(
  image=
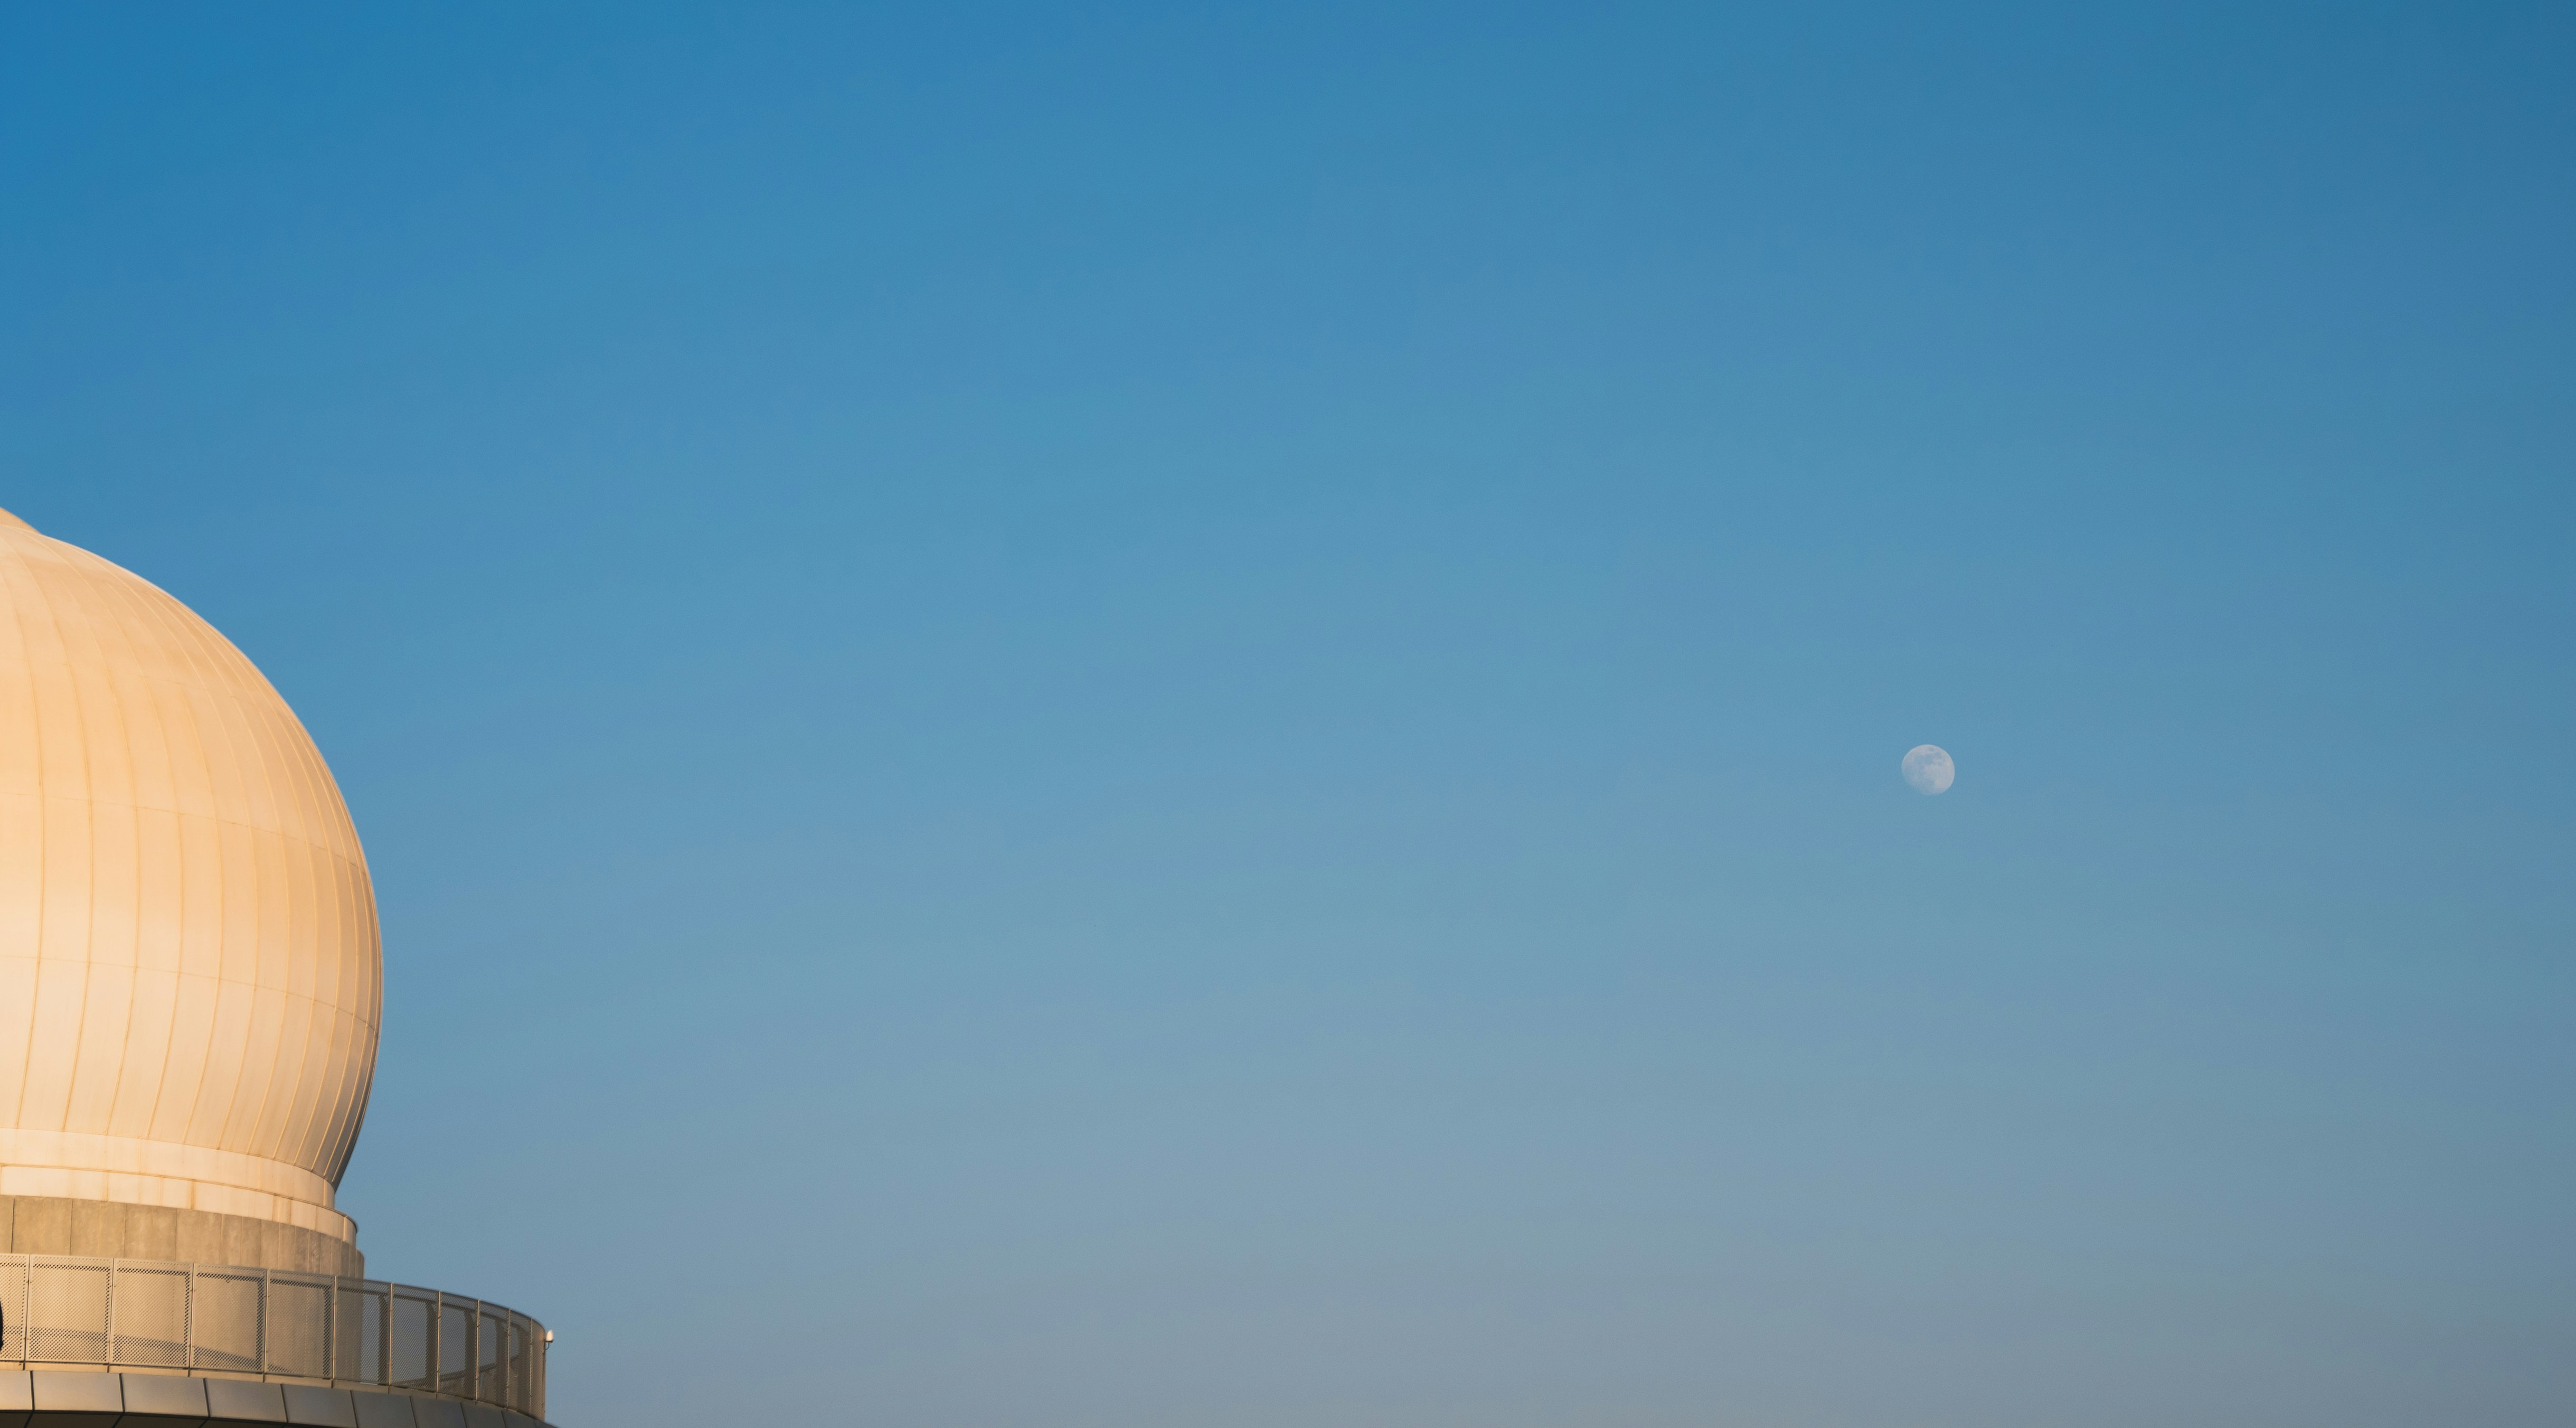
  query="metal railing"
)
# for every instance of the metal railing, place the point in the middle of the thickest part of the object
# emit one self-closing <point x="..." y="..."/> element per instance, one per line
<point x="225" y="1319"/>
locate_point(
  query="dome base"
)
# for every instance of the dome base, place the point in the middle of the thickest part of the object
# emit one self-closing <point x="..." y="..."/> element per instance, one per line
<point x="104" y="1229"/>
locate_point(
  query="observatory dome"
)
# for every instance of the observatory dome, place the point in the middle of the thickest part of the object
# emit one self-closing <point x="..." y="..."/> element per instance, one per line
<point x="190" y="973"/>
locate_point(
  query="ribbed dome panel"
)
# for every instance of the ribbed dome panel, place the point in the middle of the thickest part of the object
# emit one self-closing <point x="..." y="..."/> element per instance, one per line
<point x="190" y="971"/>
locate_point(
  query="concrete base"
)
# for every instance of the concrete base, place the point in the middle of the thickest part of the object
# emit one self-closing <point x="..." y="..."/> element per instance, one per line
<point x="104" y="1229"/>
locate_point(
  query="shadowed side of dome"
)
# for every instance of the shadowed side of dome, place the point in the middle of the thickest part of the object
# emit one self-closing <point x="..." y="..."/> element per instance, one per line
<point x="190" y="970"/>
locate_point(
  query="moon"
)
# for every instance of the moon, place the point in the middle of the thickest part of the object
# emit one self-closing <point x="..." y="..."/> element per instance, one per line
<point x="1928" y="768"/>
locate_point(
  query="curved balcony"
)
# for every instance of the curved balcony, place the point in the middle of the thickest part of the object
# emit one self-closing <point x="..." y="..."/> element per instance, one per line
<point x="235" y="1326"/>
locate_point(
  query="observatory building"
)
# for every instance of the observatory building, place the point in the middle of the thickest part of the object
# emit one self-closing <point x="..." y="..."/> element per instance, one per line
<point x="191" y="983"/>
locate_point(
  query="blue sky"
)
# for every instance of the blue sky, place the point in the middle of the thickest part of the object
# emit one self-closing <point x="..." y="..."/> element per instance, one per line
<point x="1176" y="716"/>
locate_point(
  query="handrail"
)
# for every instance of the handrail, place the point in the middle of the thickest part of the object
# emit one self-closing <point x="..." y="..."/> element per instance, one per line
<point x="272" y="1324"/>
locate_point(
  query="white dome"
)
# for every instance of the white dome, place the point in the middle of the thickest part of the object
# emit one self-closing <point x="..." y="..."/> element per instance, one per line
<point x="190" y="974"/>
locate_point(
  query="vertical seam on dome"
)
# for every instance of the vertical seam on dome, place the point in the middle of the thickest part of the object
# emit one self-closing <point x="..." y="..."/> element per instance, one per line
<point x="80" y="1018"/>
<point x="205" y="762"/>
<point x="333" y="1094"/>
<point x="343" y="1030"/>
<point x="282" y="855"/>
<point x="348" y="1101"/>
<point x="281" y="1105"/>
<point x="207" y="710"/>
<point x="36" y="729"/>
<point x="179" y="870"/>
<point x="89" y="771"/>
<point x="310" y="1128"/>
<point x="358" y="1077"/>
<point x="315" y="1094"/>
<point x="141" y="613"/>
<point x="359" y="1093"/>
<point x="134" y="797"/>
<point x="263" y="880"/>
<point x="283" y="1077"/>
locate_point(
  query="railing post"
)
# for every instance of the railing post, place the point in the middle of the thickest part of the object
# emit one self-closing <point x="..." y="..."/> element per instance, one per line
<point x="111" y="1311"/>
<point x="437" y="1333"/>
<point x="263" y="1322"/>
<point x="188" y="1322"/>
<point x="385" y="1337"/>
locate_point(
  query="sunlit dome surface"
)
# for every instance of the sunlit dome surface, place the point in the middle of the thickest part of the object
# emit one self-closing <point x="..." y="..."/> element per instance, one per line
<point x="189" y="957"/>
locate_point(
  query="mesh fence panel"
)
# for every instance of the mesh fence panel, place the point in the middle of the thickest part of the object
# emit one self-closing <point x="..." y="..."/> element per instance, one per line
<point x="151" y="1304"/>
<point x="67" y="1311"/>
<point x="299" y="1325"/>
<point x="227" y="1320"/>
<point x="516" y="1393"/>
<point x="357" y="1332"/>
<point x="409" y="1351"/>
<point x="487" y="1339"/>
<point x="455" y="1343"/>
<point x="13" y="1307"/>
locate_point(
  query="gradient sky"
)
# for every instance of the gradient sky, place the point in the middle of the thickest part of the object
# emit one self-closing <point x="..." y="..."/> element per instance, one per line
<point x="1134" y="717"/>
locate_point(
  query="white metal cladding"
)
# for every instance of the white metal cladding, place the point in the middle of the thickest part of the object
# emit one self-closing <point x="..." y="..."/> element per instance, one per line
<point x="221" y="1319"/>
<point x="190" y="971"/>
